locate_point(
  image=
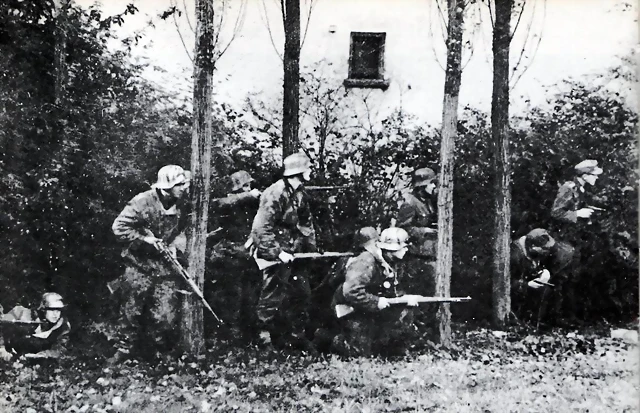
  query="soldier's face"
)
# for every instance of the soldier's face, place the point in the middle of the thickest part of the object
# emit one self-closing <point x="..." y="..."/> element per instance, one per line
<point x="306" y="175"/>
<point x="399" y="254"/>
<point x="52" y="316"/>
<point x="180" y="190"/>
<point x="246" y="187"/>
<point x="590" y="179"/>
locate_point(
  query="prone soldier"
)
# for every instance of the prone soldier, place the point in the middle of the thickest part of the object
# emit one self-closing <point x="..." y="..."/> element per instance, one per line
<point x="43" y="332"/>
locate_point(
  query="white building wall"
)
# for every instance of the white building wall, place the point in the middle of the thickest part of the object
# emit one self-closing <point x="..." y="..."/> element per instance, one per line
<point x="579" y="37"/>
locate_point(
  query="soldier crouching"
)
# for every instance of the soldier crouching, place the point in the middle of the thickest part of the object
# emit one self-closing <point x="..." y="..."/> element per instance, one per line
<point x="369" y="325"/>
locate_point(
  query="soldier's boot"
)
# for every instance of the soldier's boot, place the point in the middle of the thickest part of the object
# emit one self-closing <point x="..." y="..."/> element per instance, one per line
<point x="322" y="339"/>
<point x="298" y="341"/>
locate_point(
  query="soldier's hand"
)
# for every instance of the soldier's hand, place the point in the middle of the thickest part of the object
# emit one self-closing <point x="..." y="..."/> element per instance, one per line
<point x="151" y="240"/>
<point x="584" y="212"/>
<point x="412" y="300"/>
<point x="255" y="193"/>
<point x="285" y="257"/>
<point x="383" y="303"/>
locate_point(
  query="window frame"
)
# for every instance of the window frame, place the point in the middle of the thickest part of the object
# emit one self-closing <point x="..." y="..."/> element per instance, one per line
<point x="380" y="82"/>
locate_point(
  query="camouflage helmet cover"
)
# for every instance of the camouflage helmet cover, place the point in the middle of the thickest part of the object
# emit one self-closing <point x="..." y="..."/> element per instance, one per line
<point x="422" y="177"/>
<point x="170" y="176"/>
<point x="393" y="239"/>
<point x="365" y="236"/>
<point x="296" y="163"/>
<point x="239" y="179"/>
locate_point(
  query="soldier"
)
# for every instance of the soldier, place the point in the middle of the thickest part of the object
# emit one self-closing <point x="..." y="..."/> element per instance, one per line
<point x="368" y="324"/>
<point x="229" y="265"/>
<point x="572" y="223"/>
<point x="150" y="303"/>
<point x="283" y="226"/>
<point x="324" y="315"/>
<point x="418" y="216"/>
<point x="40" y="333"/>
<point x="569" y="206"/>
<point x="537" y="260"/>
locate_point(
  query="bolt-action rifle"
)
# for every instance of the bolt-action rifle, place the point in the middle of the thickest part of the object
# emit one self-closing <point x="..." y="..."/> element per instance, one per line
<point x="343" y="310"/>
<point x="26" y="322"/>
<point x="325" y="188"/>
<point x="262" y="263"/>
<point x="173" y="260"/>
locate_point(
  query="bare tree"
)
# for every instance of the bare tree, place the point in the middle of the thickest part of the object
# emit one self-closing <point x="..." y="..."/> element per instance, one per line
<point x="502" y="168"/>
<point x="453" y="75"/>
<point x="192" y="323"/>
<point x="228" y="18"/>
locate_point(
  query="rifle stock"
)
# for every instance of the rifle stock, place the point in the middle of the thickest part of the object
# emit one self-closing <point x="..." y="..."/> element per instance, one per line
<point x="168" y="255"/>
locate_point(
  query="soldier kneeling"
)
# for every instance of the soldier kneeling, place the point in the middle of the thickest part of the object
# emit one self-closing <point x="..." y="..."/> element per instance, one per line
<point x="41" y="333"/>
<point x="369" y="325"/>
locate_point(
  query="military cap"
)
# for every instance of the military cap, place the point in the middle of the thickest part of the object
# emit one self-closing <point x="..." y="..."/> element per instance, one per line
<point x="588" y="166"/>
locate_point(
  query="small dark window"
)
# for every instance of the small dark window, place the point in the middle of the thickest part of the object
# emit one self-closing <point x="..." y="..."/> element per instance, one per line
<point x="366" y="60"/>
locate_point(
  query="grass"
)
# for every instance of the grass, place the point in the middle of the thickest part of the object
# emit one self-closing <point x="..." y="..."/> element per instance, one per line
<point x="482" y="372"/>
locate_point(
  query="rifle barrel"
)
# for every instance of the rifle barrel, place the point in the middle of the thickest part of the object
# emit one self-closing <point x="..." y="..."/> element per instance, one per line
<point x="324" y="188"/>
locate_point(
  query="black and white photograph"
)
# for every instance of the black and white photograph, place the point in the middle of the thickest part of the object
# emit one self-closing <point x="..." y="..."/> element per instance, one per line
<point x="352" y="206"/>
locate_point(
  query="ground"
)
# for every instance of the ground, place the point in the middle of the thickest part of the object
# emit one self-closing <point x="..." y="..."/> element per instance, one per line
<point x="484" y="371"/>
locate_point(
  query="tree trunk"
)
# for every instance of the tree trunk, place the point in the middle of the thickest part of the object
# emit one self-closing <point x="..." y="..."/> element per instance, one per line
<point x="502" y="167"/>
<point x="291" y="97"/>
<point x="60" y="51"/>
<point x="192" y="338"/>
<point x="449" y="134"/>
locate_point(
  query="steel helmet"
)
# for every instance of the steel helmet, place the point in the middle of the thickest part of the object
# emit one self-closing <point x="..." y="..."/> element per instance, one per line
<point x="423" y="176"/>
<point x="239" y="179"/>
<point x="365" y="236"/>
<point x="170" y="176"/>
<point x="51" y="301"/>
<point x="393" y="239"/>
<point x="295" y="164"/>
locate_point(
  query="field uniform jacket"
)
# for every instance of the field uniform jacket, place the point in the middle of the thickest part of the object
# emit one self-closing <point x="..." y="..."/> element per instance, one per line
<point x="567" y="202"/>
<point x="524" y="269"/>
<point x="368" y="277"/>
<point x="417" y="217"/>
<point x="145" y="215"/>
<point x="234" y="214"/>
<point x="283" y="222"/>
